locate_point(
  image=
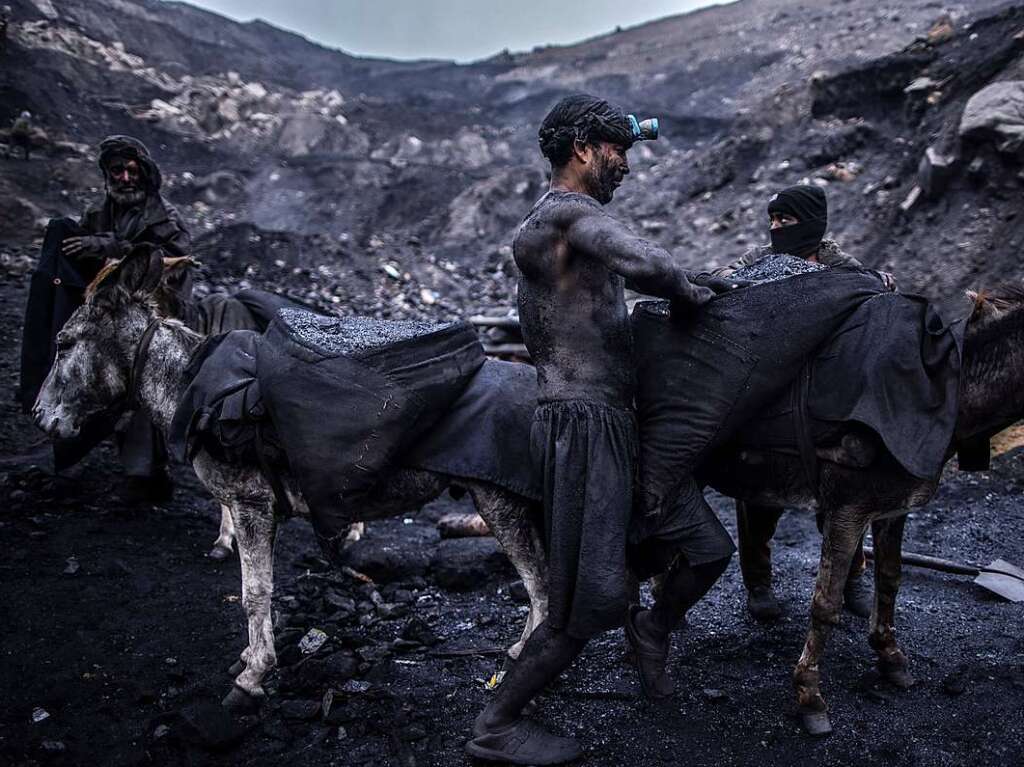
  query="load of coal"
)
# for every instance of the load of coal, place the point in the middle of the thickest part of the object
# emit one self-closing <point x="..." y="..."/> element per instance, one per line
<point x="348" y="335"/>
<point x="775" y="266"/>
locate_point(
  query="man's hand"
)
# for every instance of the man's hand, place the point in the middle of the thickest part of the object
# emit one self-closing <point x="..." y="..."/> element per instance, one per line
<point x="681" y="307"/>
<point x="888" y="281"/>
<point x="78" y="247"/>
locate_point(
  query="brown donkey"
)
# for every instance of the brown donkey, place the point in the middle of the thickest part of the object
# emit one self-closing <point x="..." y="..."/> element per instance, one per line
<point x="880" y="493"/>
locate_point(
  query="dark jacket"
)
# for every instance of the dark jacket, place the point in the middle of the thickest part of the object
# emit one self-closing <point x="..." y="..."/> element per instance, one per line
<point x="156" y="221"/>
<point x="59" y="283"/>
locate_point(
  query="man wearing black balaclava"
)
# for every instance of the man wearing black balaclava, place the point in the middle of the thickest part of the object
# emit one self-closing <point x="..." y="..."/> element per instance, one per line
<point x="798" y="220"/>
<point x="132" y="212"/>
<point x="574" y="261"/>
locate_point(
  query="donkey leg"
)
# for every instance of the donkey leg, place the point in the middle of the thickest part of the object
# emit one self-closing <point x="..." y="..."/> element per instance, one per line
<point x="255" y="528"/>
<point x="842" y="532"/>
<point x="222" y="547"/>
<point x="892" y="663"/>
<point x="510" y="520"/>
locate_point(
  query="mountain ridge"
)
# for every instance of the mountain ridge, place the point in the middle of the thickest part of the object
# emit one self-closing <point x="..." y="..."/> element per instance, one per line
<point x="366" y="162"/>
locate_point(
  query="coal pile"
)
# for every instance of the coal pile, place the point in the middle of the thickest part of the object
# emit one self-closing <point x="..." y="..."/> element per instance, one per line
<point x="777" y="267"/>
<point x="340" y="635"/>
<point x="394" y="189"/>
<point x="350" y="335"/>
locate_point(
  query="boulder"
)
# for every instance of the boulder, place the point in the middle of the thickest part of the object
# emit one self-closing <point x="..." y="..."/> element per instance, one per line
<point x="942" y="30"/>
<point x="996" y="112"/>
<point x="301" y="134"/>
<point x="300" y="710"/>
<point x="383" y="561"/>
<point x="935" y="172"/>
<point x="316" y="675"/>
<point x="219" y="187"/>
<point x="304" y="133"/>
<point x="209" y="726"/>
<point x="468" y="563"/>
<point x="462" y="525"/>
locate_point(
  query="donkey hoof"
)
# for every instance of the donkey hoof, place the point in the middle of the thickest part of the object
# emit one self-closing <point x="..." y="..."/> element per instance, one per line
<point x="241" y="701"/>
<point x="236" y="668"/>
<point x="219" y="553"/>
<point x="899" y="677"/>
<point x="816" y="723"/>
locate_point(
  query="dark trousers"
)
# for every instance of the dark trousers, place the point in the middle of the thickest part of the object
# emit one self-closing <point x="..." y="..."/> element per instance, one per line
<point x="141" y="448"/>
<point x="586" y="454"/>
<point x="756" y="526"/>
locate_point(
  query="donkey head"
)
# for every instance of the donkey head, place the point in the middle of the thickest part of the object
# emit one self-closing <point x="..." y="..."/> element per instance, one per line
<point x="96" y="347"/>
<point x="994" y="304"/>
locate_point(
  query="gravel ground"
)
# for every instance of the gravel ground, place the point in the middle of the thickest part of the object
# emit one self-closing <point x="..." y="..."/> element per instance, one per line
<point x="121" y="631"/>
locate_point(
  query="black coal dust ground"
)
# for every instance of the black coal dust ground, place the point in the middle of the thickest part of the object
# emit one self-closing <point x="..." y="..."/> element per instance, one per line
<point x="118" y="633"/>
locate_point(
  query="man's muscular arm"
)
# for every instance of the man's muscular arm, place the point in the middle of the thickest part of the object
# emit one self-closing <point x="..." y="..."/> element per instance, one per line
<point x="649" y="267"/>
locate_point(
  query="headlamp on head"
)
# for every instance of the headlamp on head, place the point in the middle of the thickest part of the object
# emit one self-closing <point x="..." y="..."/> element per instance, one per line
<point x="643" y="130"/>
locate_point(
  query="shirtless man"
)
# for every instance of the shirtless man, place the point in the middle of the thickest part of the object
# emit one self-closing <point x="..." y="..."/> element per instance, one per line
<point x="575" y="261"/>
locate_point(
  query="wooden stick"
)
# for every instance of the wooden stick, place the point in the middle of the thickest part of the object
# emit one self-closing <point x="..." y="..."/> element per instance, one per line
<point x="931" y="563"/>
<point x="515" y="350"/>
<point x="495" y="322"/>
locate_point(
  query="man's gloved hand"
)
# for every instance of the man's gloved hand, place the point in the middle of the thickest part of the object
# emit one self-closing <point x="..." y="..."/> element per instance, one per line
<point x="83" y="247"/>
<point x="888" y="280"/>
<point x="719" y="284"/>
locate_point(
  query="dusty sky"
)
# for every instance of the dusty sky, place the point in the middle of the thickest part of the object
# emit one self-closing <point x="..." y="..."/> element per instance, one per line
<point x="451" y="29"/>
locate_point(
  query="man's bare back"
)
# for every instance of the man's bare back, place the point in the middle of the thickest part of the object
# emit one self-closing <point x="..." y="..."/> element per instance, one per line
<point x="575" y="260"/>
<point x="572" y="308"/>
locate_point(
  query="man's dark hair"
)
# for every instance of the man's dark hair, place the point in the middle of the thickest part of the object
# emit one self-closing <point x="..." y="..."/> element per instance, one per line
<point x="582" y="117"/>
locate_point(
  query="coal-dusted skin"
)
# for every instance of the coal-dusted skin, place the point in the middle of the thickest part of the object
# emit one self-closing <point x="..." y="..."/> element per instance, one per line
<point x="574" y="261"/>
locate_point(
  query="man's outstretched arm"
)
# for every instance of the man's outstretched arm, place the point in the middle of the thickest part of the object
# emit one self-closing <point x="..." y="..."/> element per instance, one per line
<point x="648" y="267"/>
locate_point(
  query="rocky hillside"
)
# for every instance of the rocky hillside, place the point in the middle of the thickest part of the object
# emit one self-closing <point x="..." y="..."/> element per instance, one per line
<point x="395" y="187"/>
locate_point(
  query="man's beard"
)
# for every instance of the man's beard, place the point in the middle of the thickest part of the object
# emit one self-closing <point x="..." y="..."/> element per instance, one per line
<point x="128" y="198"/>
<point x="603" y="182"/>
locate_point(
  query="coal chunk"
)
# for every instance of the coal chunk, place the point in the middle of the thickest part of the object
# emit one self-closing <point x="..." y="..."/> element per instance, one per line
<point x="315" y="674"/>
<point x="467" y="563"/>
<point x="517" y="590"/>
<point x="300" y="710"/>
<point x="384" y="561"/>
<point x="419" y="631"/>
<point x="208" y="726"/>
<point x="957" y="682"/>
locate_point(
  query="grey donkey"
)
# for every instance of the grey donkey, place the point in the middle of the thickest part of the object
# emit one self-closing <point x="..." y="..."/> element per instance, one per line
<point x="119" y="348"/>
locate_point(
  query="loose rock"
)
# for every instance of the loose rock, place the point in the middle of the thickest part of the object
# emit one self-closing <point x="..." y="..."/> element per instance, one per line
<point x="467" y="563"/>
<point x="300" y="710"/>
<point x="208" y="725"/>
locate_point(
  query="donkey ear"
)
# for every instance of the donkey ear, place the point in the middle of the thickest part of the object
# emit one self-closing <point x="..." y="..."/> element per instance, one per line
<point x="177" y="270"/>
<point x="141" y="270"/>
